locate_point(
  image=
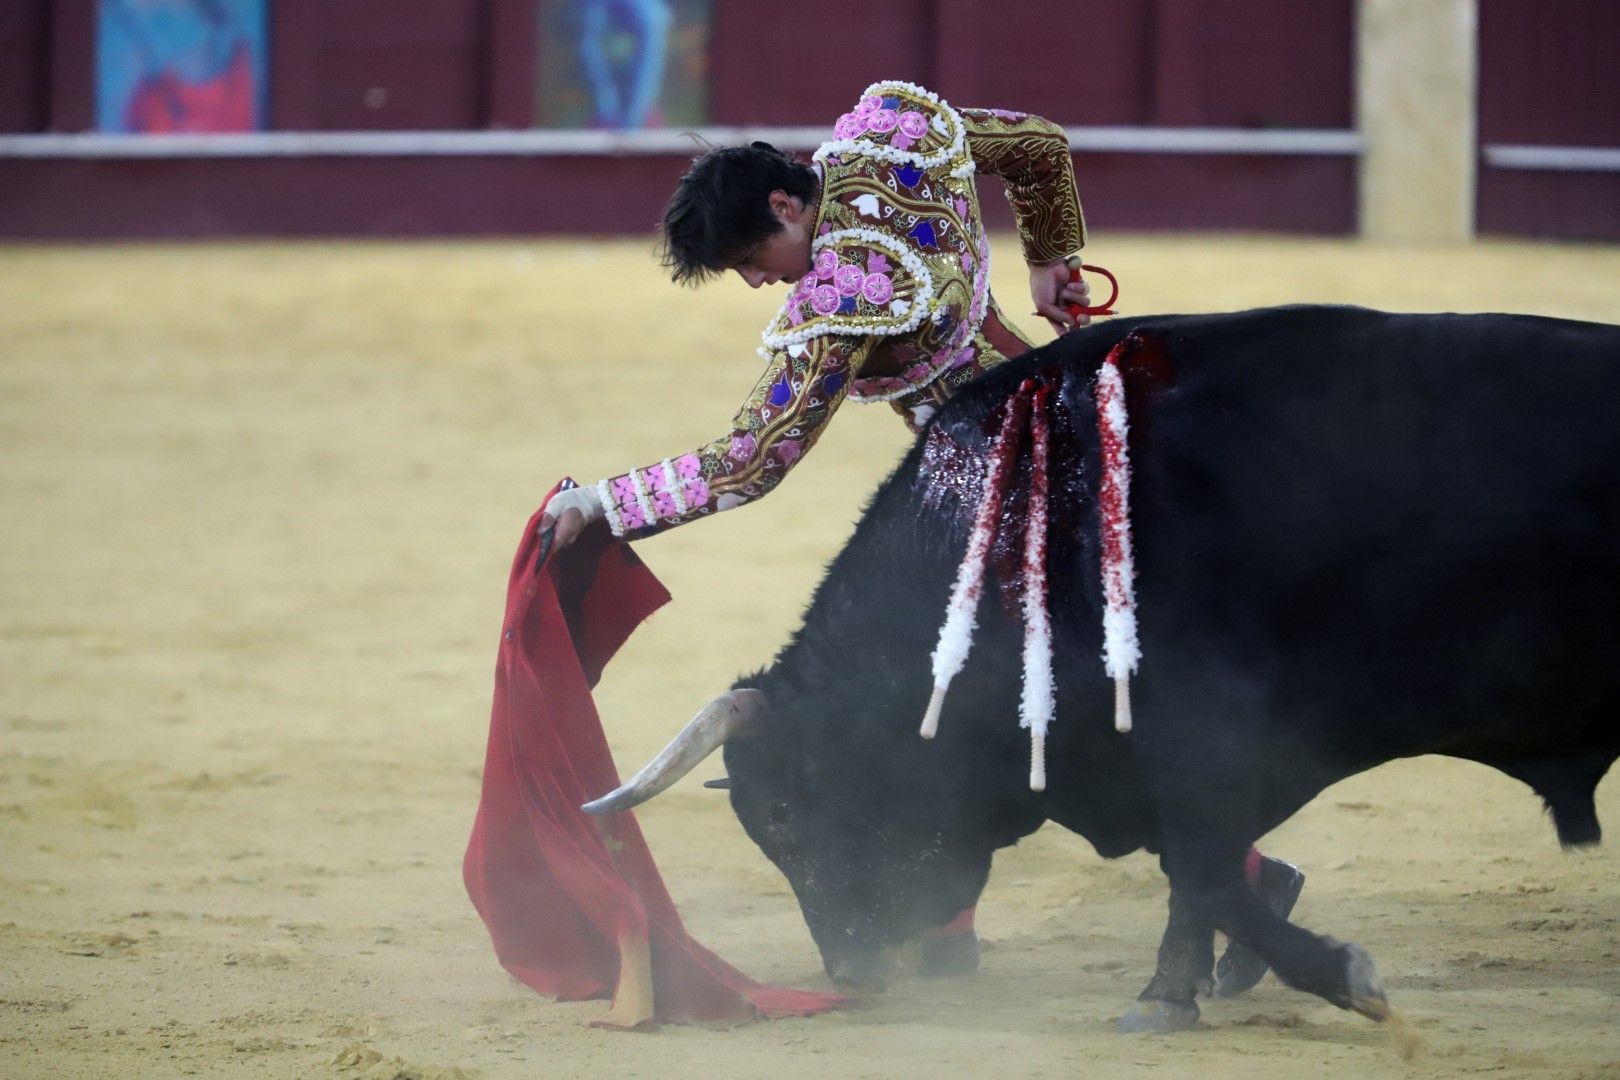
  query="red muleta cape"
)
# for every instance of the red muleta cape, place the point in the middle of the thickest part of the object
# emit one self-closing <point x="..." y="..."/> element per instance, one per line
<point x="574" y="904"/>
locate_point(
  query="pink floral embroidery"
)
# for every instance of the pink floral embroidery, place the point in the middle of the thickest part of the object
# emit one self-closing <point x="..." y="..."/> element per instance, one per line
<point x="848" y="126"/>
<point x="967" y="263"/>
<point x="630" y="513"/>
<point x="696" y="492"/>
<point x="787" y="451"/>
<point x="825" y="301"/>
<point x="847" y="279"/>
<point x="624" y="491"/>
<point x="877" y="288"/>
<point x="796" y="315"/>
<point x="965" y="357"/>
<point x="901" y="142"/>
<point x="876" y="263"/>
<point x="664" y="504"/>
<point x="868" y="105"/>
<point x="826" y="263"/>
<point x="913" y="124"/>
<point x="653" y="477"/>
<point x="962" y="208"/>
<point x="883" y="121"/>
<point x="688" y="467"/>
<point x="1003" y="114"/>
<point x="952" y="353"/>
<point x="742" y="447"/>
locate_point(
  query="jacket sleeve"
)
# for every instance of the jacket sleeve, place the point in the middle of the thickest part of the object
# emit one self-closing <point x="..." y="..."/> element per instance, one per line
<point x="1032" y="156"/>
<point x="778" y="423"/>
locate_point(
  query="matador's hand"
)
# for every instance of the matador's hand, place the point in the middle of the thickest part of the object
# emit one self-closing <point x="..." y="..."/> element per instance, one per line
<point x="570" y="511"/>
<point x="1051" y="289"/>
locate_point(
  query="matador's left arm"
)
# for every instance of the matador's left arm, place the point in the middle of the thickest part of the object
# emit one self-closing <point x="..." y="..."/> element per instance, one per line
<point x="1032" y="156"/>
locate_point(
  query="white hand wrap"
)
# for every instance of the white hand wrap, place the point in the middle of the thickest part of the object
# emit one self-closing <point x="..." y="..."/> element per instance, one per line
<point x="583" y="499"/>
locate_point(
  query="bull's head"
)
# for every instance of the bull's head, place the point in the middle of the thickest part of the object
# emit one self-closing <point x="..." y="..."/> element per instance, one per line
<point x="876" y="830"/>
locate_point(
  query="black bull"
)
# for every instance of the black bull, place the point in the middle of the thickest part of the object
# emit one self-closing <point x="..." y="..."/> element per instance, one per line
<point x="1359" y="537"/>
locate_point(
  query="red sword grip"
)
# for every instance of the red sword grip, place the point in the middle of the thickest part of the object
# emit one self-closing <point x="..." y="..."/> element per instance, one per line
<point x="1104" y="308"/>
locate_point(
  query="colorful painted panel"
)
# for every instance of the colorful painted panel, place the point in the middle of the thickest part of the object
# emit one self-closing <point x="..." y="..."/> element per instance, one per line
<point x="622" y="64"/>
<point x="180" y="65"/>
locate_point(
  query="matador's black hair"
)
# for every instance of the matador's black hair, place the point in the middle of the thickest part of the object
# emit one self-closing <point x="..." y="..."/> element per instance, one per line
<point x="721" y="207"/>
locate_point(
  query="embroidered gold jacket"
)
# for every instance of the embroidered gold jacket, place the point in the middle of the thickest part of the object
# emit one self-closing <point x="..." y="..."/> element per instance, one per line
<point x="897" y="307"/>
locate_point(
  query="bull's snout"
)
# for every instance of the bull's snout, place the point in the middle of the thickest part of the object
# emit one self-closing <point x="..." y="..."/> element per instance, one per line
<point x="859" y="975"/>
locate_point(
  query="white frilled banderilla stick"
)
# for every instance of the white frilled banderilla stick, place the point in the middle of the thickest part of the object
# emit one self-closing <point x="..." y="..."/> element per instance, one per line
<point x="1121" y="651"/>
<point x="1036" y="708"/>
<point x="961" y="614"/>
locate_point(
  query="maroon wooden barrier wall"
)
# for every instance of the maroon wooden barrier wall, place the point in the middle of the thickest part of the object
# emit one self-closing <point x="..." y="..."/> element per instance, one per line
<point x="1172" y="63"/>
<point x="1546" y="80"/>
<point x="470" y="64"/>
<point x="1549" y="77"/>
<point x="24" y="65"/>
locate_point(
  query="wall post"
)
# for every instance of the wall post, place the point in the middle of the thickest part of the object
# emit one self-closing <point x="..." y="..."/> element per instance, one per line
<point x="1417" y="93"/>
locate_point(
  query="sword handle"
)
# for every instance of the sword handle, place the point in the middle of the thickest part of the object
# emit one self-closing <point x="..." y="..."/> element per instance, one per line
<point x="1107" y="306"/>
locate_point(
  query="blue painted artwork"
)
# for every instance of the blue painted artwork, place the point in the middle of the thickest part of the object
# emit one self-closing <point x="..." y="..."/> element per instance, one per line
<point x="623" y="64"/>
<point x="180" y="65"/>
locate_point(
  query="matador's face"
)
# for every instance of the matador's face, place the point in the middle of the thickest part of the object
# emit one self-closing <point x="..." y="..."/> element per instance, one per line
<point x="785" y="254"/>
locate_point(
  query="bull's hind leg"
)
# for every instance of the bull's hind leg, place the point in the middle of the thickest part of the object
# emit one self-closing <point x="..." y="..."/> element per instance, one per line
<point x="1186" y="957"/>
<point x="1209" y="874"/>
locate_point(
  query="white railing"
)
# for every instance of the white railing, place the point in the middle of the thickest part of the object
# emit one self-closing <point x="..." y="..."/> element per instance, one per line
<point x="619" y="143"/>
<point x="1558" y="158"/>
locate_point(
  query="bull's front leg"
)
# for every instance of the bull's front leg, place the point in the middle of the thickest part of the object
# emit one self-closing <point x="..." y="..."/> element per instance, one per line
<point x="1186" y="958"/>
<point x="952" y="949"/>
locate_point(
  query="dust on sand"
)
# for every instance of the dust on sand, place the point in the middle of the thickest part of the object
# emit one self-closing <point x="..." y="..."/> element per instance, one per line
<point x="258" y="506"/>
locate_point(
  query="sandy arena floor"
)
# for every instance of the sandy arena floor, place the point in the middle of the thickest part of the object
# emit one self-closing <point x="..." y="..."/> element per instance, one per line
<point x="257" y="505"/>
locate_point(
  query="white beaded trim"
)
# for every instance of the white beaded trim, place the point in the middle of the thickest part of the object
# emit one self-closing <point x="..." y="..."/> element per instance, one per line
<point x="642" y="498"/>
<point x="610" y="508"/>
<point x="867" y="147"/>
<point x="673" y="483"/>
<point x="826" y="324"/>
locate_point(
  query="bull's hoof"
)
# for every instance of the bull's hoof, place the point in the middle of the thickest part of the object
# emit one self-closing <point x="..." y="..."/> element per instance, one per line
<point x="1158" y="1017"/>
<point x="950" y="954"/>
<point x="1240" y="967"/>
<point x="1366" y="989"/>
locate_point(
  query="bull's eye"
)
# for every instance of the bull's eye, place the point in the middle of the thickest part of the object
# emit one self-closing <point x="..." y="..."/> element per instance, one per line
<point x="778" y="813"/>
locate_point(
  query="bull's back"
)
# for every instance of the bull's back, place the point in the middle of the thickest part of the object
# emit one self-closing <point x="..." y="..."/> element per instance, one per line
<point x="1415" y="519"/>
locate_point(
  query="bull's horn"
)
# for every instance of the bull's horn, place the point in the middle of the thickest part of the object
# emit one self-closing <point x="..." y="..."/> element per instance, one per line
<point x="716" y="722"/>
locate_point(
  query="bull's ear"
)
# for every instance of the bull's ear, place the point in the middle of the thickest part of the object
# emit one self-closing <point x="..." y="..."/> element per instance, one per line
<point x="722" y="784"/>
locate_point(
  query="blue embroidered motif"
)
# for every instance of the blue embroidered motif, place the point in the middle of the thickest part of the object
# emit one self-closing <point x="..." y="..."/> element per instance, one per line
<point x="781" y="392"/>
